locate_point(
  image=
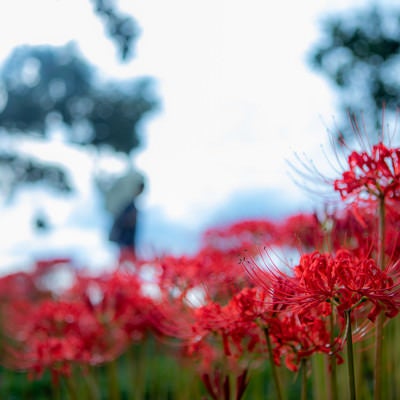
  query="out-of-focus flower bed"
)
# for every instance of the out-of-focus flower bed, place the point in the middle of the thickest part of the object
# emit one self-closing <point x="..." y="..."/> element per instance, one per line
<point x="301" y="308"/>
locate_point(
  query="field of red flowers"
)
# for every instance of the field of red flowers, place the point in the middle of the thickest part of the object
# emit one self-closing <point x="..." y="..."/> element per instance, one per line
<point x="302" y="308"/>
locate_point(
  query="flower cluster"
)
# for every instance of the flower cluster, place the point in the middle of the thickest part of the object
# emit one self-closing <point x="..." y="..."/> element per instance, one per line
<point x="375" y="173"/>
<point x="230" y="307"/>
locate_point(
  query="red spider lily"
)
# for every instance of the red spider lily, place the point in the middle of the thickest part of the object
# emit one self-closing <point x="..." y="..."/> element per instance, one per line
<point x="204" y="342"/>
<point x="54" y="335"/>
<point x="45" y="266"/>
<point x="376" y="174"/>
<point x="22" y="286"/>
<point x="233" y="326"/>
<point x="217" y="272"/>
<point x="355" y="228"/>
<point x="234" y="337"/>
<point x="293" y="338"/>
<point x="30" y="286"/>
<point x="297" y="339"/>
<point x="392" y="239"/>
<point x="219" y="387"/>
<point x="342" y="280"/>
<point x="301" y="231"/>
<point x="236" y="331"/>
<point x="116" y="300"/>
<point x="241" y="235"/>
<point x="233" y="323"/>
<point x="223" y="340"/>
<point x="91" y="324"/>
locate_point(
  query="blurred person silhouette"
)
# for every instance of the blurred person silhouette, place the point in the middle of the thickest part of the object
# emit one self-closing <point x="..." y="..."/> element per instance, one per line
<point x="121" y="203"/>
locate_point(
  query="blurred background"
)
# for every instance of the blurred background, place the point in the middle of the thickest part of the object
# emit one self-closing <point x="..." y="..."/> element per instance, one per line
<point x="202" y="103"/>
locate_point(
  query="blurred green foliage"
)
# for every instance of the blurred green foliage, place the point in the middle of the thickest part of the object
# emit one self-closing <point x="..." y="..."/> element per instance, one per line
<point x="43" y="88"/>
<point x="359" y="54"/>
<point x="148" y="371"/>
<point x="120" y="27"/>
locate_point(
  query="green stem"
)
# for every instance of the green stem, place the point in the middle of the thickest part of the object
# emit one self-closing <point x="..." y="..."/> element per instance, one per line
<point x="71" y="388"/>
<point x="380" y="318"/>
<point x="56" y="391"/>
<point x="137" y="355"/>
<point x="332" y="373"/>
<point x="350" y="356"/>
<point x="112" y="375"/>
<point x="273" y="366"/>
<point x="378" y="357"/>
<point x="320" y="383"/>
<point x="303" y="379"/>
<point x="92" y="385"/>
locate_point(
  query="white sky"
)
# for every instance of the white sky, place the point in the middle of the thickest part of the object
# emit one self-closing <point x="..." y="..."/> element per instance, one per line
<point x="237" y="95"/>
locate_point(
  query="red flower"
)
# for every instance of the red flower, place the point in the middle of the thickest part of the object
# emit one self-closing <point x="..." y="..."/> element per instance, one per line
<point x="229" y="339"/>
<point x="341" y="280"/>
<point x="375" y="174"/>
<point x="50" y="335"/>
<point x="217" y="271"/>
<point x="222" y="340"/>
<point x="241" y="235"/>
<point x="355" y="228"/>
<point x="297" y="339"/>
<point x="115" y="299"/>
<point x="90" y="324"/>
<point x="301" y="231"/>
<point x="234" y="325"/>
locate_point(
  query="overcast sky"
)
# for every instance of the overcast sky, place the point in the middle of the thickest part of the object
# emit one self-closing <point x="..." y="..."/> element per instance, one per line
<point x="237" y="95"/>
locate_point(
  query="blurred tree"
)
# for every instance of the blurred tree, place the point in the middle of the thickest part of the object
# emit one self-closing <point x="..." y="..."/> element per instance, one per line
<point x="42" y="86"/>
<point x="17" y="169"/>
<point x="360" y="56"/>
<point x="120" y="27"/>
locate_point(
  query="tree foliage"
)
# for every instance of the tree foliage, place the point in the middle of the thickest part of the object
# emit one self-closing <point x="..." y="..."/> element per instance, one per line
<point x="21" y="169"/>
<point x="119" y="26"/>
<point x="360" y="56"/>
<point x="42" y="86"/>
